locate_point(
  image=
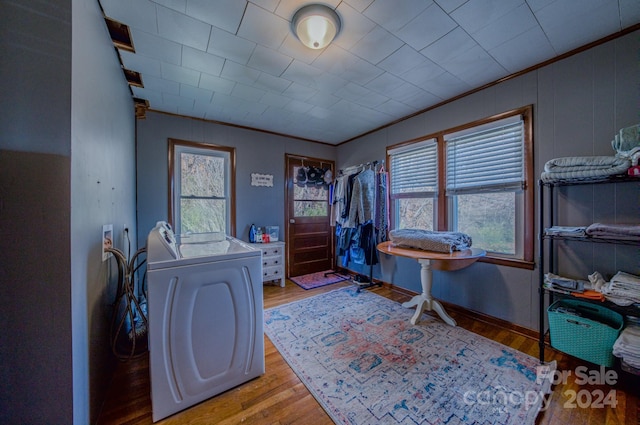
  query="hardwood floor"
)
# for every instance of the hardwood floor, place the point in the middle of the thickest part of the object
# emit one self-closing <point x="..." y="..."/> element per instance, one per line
<point x="278" y="397"/>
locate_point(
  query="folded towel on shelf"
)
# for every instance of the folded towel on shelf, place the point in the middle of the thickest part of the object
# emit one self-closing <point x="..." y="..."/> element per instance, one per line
<point x="627" y="346"/>
<point x="564" y="284"/>
<point x="626" y="278"/>
<point x="627" y="139"/>
<point x="566" y="231"/>
<point x="614" y="231"/>
<point x="429" y="240"/>
<point x="584" y="168"/>
<point x="590" y="294"/>
<point x="623" y="289"/>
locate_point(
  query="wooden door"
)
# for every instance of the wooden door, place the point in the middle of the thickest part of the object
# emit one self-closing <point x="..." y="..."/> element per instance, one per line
<point x="310" y="239"/>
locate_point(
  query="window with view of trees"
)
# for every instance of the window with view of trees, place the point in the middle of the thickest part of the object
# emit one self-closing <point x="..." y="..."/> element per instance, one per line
<point x="201" y="183"/>
<point x="482" y="185"/>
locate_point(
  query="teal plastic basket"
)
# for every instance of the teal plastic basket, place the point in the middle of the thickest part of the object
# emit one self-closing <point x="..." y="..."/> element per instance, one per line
<point x="590" y="335"/>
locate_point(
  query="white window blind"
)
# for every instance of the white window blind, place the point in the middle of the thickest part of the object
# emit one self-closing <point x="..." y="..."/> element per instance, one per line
<point x="486" y="158"/>
<point x="414" y="168"/>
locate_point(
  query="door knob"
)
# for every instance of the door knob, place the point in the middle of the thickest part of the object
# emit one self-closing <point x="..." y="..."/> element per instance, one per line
<point x="292" y="220"/>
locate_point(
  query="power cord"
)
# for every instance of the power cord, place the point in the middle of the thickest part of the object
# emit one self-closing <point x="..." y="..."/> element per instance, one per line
<point x="129" y="323"/>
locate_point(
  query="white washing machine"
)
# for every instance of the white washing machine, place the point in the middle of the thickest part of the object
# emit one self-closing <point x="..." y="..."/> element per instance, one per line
<point x="205" y="317"/>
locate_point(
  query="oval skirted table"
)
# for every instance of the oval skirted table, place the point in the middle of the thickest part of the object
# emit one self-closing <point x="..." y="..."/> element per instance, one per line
<point x="430" y="260"/>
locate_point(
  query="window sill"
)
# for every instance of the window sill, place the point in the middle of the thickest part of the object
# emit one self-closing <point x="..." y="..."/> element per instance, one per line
<point x="510" y="262"/>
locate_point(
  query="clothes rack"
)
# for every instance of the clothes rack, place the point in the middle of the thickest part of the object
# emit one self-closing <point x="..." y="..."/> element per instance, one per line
<point x="363" y="281"/>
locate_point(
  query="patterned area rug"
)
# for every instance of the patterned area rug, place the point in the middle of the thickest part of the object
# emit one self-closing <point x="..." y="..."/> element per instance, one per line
<point x="316" y="280"/>
<point x="365" y="363"/>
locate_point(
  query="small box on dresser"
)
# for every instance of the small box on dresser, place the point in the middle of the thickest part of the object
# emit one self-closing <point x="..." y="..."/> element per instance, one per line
<point x="272" y="261"/>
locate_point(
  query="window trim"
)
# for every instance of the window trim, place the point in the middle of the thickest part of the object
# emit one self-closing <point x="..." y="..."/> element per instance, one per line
<point x="442" y="204"/>
<point x="173" y="143"/>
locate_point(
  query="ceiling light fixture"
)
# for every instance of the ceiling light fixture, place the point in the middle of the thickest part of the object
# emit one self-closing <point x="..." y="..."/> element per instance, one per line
<point x="315" y="25"/>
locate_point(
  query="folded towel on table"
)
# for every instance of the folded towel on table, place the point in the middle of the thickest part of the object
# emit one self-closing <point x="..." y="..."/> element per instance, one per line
<point x="429" y="240"/>
<point x="584" y="168"/>
<point x="614" y="231"/>
<point x="566" y="231"/>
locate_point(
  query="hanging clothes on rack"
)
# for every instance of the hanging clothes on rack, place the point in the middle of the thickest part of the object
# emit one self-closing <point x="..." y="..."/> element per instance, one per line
<point x="360" y="213"/>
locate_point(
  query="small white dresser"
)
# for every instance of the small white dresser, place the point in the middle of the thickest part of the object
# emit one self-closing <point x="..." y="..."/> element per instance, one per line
<point x="272" y="261"/>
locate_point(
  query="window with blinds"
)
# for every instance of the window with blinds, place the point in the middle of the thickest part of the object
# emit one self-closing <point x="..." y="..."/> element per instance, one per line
<point x="414" y="184"/>
<point x="489" y="158"/>
<point x="415" y="168"/>
<point x="485" y="179"/>
<point x="475" y="178"/>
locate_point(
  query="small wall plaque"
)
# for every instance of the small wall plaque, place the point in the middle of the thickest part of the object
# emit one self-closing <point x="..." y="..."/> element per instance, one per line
<point x="261" y="179"/>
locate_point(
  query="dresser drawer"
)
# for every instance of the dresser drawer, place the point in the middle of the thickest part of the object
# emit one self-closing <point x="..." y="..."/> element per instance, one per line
<point x="271" y="261"/>
<point x="268" y="251"/>
<point x="272" y="273"/>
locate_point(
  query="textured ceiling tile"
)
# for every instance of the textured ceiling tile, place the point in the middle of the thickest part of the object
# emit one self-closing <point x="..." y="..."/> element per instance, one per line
<point x="450" y="46"/>
<point x="195" y="93"/>
<point x="239" y="73"/>
<point x="181" y="75"/>
<point x="142" y="64"/>
<point x="276" y="100"/>
<point x="354" y="26"/>
<point x="359" y="5"/>
<point x="269" y="5"/>
<point x="183" y="29"/>
<point x="477" y="14"/>
<point x="402" y="60"/>
<point x="162" y="85"/>
<point x="216" y="84"/>
<point x="299" y="91"/>
<point x="629" y="12"/>
<point x="433" y="18"/>
<point x="140" y="15"/>
<point x="507" y="27"/>
<point x="514" y="58"/>
<point x="226" y="45"/>
<point x="270" y="83"/>
<point x="156" y="47"/>
<point x="177" y="5"/>
<point x="377" y="45"/>
<point x="302" y="73"/>
<point x="269" y="61"/>
<point x="450" y="5"/>
<point x="201" y="61"/>
<point x="224" y="14"/>
<point x="569" y="25"/>
<point x="393" y="14"/>
<point x="385" y="83"/>
<point x="249" y="93"/>
<point x="262" y="27"/>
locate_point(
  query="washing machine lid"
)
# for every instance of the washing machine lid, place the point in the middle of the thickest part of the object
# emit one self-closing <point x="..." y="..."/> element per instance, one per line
<point x="167" y="250"/>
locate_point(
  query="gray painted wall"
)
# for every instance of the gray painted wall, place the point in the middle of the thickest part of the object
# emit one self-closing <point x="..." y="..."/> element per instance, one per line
<point x="579" y="104"/>
<point x="102" y="192"/>
<point x="256" y="152"/>
<point x="35" y="238"/>
<point x="67" y="123"/>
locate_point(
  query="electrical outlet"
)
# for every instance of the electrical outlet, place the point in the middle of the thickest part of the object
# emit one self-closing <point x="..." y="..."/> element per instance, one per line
<point x="107" y="240"/>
